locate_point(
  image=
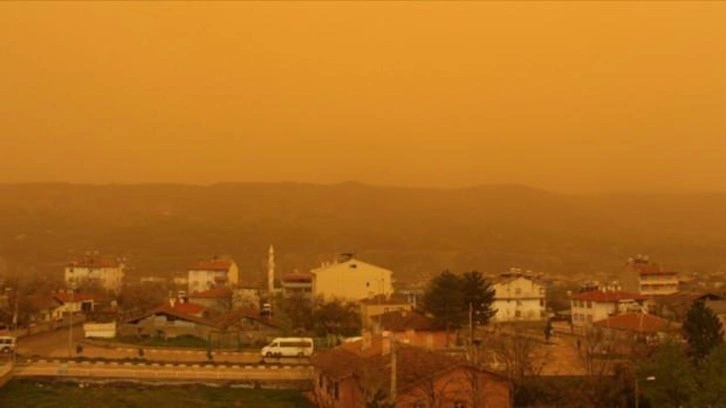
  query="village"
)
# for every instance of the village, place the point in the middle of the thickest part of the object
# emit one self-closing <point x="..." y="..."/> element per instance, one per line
<point x="515" y="338"/>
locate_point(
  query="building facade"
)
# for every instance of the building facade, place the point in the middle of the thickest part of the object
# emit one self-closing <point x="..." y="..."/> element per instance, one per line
<point x="297" y="284"/>
<point x="217" y="272"/>
<point x="351" y="279"/>
<point x="518" y="298"/>
<point x="592" y="306"/>
<point x="105" y="271"/>
<point x="649" y="278"/>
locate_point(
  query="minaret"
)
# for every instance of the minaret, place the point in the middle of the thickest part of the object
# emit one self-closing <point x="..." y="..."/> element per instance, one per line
<point x="270" y="269"/>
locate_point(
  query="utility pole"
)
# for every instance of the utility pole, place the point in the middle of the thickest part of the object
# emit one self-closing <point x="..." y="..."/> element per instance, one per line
<point x="471" y="323"/>
<point x="394" y="369"/>
<point x="70" y="322"/>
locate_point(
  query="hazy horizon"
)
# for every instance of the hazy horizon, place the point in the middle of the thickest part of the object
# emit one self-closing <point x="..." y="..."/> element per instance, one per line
<point x="564" y="97"/>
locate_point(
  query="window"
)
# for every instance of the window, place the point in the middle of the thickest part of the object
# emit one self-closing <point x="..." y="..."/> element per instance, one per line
<point x="518" y="291"/>
<point x="517" y="313"/>
<point x="589" y="304"/>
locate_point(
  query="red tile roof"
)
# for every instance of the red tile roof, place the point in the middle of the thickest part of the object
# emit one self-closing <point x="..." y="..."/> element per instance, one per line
<point x="414" y="364"/>
<point x="95" y="262"/>
<point x="634" y="322"/>
<point x="608" y="296"/>
<point x="166" y="309"/>
<point x="187" y="308"/>
<point x="213" y="265"/>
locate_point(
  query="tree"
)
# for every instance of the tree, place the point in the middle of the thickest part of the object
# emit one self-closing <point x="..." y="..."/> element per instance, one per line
<point x="479" y="293"/>
<point x="444" y="300"/>
<point x="703" y="331"/>
<point x="337" y="318"/>
<point x="711" y="379"/>
<point x="672" y="377"/>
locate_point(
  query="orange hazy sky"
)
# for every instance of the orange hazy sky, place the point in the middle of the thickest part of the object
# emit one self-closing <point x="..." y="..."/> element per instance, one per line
<point x="565" y="96"/>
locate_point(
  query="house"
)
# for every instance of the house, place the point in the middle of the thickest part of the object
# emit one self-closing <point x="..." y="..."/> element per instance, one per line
<point x="105" y="271"/>
<point x="648" y="278"/>
<point x="351" y="279"/>
<point x="170" y="320"/>
<point x="217" y="272"/>
<point x="374" y="307"/>
<point x="416" y="329"/>
<point x="246" y="298"/>
<point x="75" y="302"/>
<point x="518" y="298"/>
<point x="45" y="308"/>
<point x="635" y="323"/>
<point x="215" y="299"/>
<point x="589" y="307"/>
<point x="247" y="328"/>
<point x="358" y="372"/>
<point x="676" y="305"/>
<point x="297" y="284"/>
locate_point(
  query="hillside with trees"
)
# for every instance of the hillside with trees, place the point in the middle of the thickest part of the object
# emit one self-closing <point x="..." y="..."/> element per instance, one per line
<point x="162" y="228"/>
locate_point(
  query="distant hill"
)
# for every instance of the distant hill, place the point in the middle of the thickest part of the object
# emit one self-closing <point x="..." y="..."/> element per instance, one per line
<point x="161" y="228"/>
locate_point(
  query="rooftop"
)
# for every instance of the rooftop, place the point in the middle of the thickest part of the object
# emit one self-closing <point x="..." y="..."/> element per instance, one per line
<point x="413" y="364"/>
<point x="95" y="261"/>
<point x="297" y="277"/>
<point x="634" y="322"/>
<point x="213" y="265"/>
<point x="608" y="296"/>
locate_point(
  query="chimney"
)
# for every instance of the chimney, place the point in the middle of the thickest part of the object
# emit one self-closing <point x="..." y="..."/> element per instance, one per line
<point x="386" y="343"/>
<point x="366" y="342"/>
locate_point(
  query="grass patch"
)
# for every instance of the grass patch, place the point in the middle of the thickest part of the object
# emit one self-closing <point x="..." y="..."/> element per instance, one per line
<point x="27" y="393"/>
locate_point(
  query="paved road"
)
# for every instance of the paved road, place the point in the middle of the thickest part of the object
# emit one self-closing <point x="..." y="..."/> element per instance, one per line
<point x="55" y="345"/>
<point x="161" y="371"/>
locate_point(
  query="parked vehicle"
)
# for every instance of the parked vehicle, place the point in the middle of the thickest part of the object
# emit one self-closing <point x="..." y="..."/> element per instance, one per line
<point x="289" y="347"/>
<point x="7" y="344"/>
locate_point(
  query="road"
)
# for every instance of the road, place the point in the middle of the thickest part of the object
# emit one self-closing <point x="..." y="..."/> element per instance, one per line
<point x="166" y="371"/>
<point x="55" y="344"/>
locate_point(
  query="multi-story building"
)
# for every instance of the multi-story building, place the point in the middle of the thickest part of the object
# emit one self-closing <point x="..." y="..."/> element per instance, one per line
<point x="592" y="306"/>
<point x="518" y="297"/>
<point x="297" y="284"/>
<point x="649" y="278"/>
<point x="351" y="279"/>
<point x="107" y="272"/>
<point x="217" y="272"/>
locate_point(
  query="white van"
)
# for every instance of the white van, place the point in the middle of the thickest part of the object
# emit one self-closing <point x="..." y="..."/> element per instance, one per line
<point x="7" y="344"/>
<point x="289" y="347"/>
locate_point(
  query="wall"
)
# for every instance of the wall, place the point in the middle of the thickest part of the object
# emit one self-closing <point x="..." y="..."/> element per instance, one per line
<point x="458" y="385"/>
<point x="519" y="299"/>
<point x="352" y="280"/>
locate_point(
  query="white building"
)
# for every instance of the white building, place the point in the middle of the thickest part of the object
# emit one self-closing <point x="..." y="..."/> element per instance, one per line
<point x="351" y="279"/>
<point x="518" y="298"/>
<point x="217" y="272"/>
<point x="595" y="305"/>
<point x="105" y="271"/>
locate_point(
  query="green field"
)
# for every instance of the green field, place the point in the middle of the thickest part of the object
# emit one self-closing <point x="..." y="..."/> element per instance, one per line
<point x="26" y="393"/>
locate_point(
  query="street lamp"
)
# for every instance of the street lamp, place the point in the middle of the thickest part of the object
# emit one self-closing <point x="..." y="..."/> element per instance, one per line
<point x="637" y="397"/>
